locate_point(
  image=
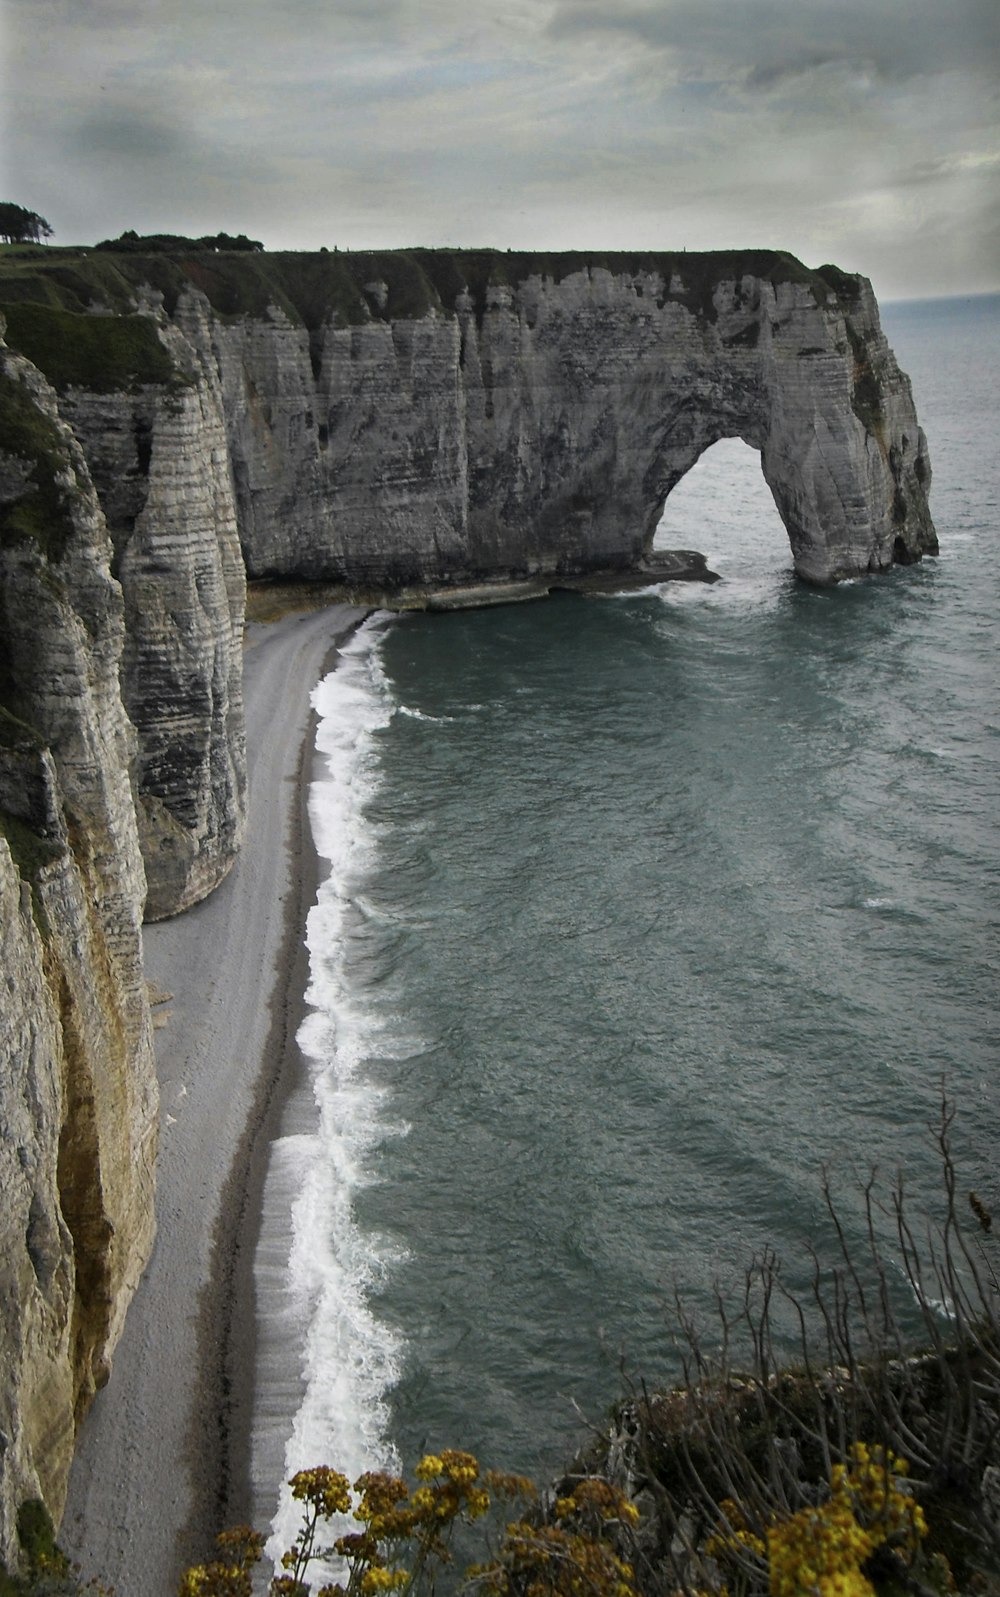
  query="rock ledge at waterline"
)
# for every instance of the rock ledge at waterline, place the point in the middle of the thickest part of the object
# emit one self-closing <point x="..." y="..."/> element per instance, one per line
<point x="406" y="425"/>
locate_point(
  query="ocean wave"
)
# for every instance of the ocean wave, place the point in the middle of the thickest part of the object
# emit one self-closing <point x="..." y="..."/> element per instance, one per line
<point x="349" y="1358"/>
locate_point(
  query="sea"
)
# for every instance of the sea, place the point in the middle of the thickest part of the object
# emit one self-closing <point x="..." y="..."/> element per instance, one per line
<point x="642" y="917"/>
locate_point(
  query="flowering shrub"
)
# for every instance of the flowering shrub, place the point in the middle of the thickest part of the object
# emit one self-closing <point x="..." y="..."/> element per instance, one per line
<point x="231" y="1574"/>
<point x="576" y="1550"/>
<point x="573" y="1556"/>
<point x="404" y="1535"/>
<point x="819" y="1552"/>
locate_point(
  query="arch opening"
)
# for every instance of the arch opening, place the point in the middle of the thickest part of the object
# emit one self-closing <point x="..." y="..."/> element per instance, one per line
<point x="723" y="507"/>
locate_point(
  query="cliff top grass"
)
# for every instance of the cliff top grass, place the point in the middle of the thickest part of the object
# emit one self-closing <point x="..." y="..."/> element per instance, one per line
<point x="346" y="287"/>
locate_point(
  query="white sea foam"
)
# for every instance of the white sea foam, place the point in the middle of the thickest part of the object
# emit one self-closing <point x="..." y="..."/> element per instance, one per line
<point x="421" y="715"/>
<point x="319" y="1294"/>
<point x="653" y="591"/>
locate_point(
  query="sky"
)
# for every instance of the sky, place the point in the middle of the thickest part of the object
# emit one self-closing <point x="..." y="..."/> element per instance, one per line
<point x="863" y="132"/>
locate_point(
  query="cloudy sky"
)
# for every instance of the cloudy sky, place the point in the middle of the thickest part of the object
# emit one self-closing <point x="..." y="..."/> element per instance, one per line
<point x="866" y="132"/>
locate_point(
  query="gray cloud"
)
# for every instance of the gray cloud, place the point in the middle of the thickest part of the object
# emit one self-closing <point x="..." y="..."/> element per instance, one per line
<point x="762" y="42"/>
<point x="839" y="131"/>
<point x="132" y="136"/>
<point x="969" y="165"/>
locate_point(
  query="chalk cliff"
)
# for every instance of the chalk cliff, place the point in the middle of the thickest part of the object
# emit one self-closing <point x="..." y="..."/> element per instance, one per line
<point x="395" y="424"/>
<point x="157" y="456"/>
<point x="538" y="427"/>
<point x="77" y="1086"/>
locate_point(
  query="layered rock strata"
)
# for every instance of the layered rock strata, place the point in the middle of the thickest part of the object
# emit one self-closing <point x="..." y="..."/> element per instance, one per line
<point x="158" y="458"/>
<point x="541" y="429"/>
<point x="77" y="1085"/>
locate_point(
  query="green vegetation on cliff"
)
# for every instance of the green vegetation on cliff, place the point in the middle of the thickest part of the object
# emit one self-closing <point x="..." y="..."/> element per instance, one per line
<point x="29" y="852"/>
<point x="73" y="312"/>
<point x="694" y="274"/>
<point x="131" y="242"/>
<point x="21" y="750"/>
<point x="17" y="224"/>
<point x="46" y="1571"/>
<point x="34" y="508"/>
<point x="106" y="353"/>
<point x="346" y="287"/>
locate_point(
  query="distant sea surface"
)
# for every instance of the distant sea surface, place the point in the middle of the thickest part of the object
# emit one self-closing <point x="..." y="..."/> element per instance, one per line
<point x="640" y="912"/>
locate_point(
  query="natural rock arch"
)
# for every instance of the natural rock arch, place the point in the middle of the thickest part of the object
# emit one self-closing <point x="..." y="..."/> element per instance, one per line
<point x="711" y="504"/>
<point x="627" y="395"/>
<point x="534" y="424"/>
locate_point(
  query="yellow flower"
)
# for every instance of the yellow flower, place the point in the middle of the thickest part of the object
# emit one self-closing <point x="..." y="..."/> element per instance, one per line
<point x="381" y="1580"/>
<point x="478" y="1503"/>
<point x="462" y="1468"/>
<point x="326" y="1489"/>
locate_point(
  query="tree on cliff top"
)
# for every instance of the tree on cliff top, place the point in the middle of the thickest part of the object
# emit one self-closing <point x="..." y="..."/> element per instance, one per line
<point x="131" y="242"/>
<point x="17" y="225"/>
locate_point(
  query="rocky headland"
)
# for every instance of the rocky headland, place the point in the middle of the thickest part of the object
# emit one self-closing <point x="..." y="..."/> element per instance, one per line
<point x="425" y="427"/>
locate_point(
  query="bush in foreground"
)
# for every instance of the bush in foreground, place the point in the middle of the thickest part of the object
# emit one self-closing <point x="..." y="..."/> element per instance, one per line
<point x="405" y="1534"/>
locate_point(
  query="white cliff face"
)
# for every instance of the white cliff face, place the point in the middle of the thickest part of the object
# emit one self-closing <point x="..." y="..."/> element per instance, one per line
<point x="161" y="467"/>
<point x="356" y="470"/>
<point x="37" y="1397"/>
<point x="541" y="430"/>
<point x="77" y="1084"/>
<point x="843" y="453"/>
